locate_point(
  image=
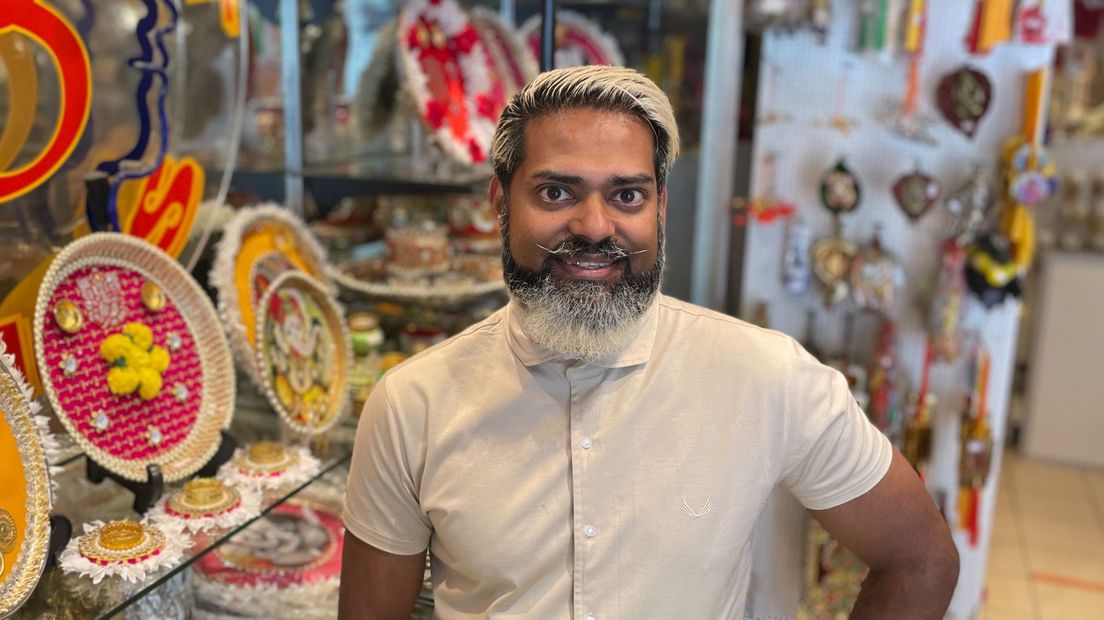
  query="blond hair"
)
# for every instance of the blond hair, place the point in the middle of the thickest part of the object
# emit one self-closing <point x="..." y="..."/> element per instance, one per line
<point x="598" y="87"/>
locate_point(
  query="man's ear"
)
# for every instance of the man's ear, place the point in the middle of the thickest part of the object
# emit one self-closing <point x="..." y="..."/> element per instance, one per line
<point x="498" y="196"/>
<point x="663" y="206"/>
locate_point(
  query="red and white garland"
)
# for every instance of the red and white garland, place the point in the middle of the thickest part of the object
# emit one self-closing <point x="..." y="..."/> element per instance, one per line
<point x="465" y="109"/>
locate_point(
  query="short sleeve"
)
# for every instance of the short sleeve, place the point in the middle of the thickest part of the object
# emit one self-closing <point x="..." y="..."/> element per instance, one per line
<point x="833" y="453"/>
<point x="381" y="497"/>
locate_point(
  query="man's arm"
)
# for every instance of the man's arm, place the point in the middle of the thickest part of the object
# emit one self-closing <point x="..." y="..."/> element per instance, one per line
<point x="376" y="585"/>
<point x="896" y="529"/>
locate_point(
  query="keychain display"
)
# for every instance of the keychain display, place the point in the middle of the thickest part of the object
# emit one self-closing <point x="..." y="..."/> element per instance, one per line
<point x="905" y="118"/>
<point x="765" y="207"/>
<point x="916" y="193"/>
<point x="303" y="353"/>
<point x="992" y="25"/>
<point x="25" y="499"/>
<point x="969" y="207"/>
<point x="130" y="550"/>
<point x="133" y="357"/>
<point x="797" y="273"/>
<point x="917" y="448"/>
<point x="831" y="260"/>
<point x="976" y="450"/>
<point x="207" y="503"/>
<point x="946" y="307"/>
<point x="840" y="191"/>
<point x="258" y="244"/>
<point x="964" y="97"/>
<point x="874" y="276"/>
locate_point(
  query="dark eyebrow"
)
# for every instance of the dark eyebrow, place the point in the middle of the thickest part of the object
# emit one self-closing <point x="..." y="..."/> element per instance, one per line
<point x="636" y="179"/>
<point x="566" y="179"/>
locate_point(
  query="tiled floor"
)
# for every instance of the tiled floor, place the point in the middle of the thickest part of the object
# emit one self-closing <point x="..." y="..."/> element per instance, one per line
<point x="1047" y="557"/>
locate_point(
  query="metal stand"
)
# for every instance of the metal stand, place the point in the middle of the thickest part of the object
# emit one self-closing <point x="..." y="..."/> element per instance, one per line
<point x="61" y="530"/>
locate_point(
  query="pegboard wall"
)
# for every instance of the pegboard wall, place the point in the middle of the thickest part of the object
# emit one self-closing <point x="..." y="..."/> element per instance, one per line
<point x="808" y="83"/>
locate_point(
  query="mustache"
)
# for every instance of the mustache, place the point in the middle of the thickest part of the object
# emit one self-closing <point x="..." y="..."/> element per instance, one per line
<point x="573" y="246"/>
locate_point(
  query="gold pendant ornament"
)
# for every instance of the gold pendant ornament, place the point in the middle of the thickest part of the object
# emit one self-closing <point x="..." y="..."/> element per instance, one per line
<point x="68" y="316"/>
<point x="153" y="298"/>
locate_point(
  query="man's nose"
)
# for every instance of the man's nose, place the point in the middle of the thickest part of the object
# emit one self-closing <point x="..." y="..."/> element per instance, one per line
<point x="591" y="219"/>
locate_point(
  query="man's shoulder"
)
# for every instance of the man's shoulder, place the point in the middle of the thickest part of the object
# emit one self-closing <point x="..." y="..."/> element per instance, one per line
<point x="709" y="330"/>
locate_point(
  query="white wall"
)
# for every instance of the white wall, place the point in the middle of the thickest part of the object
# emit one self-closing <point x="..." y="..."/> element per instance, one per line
<point x="806" y="88"/>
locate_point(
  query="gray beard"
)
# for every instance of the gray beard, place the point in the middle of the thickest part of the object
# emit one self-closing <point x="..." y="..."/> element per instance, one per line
<point x="580" y="319"/>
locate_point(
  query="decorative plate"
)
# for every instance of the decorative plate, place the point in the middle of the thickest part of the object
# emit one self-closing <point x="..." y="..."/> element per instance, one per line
<point x="285" y="564"/>
<point x="258" y="245"/>
<point x="269" y="465"/>
<point x="471" y="276"/>
<point x="452" y="77"/>
<point x="964" y="97"/>
<point x="206" y="503"/>
<point x="579" y="41"/>
<point x="303" y="353"/>
<point x="132" y="357"/>
<point x="515" y="64"/>
<point x="126" y="549"/>
<point x="25" y="492"/>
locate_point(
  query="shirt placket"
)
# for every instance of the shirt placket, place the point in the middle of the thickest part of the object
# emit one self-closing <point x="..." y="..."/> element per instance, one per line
<point x="580" y="380"/>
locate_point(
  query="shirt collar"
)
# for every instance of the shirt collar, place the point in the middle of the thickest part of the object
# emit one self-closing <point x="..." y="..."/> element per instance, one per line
<point x="531" y="353"/>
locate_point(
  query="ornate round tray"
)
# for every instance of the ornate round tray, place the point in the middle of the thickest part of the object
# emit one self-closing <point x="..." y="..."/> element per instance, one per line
<point x="126" y="549"/>
<point x="303" y="353"/>
<point x="579" y="41"/>
<point x="258" y="245"/>
<point x="286" y="562"/>
<point x="453" y="80"/>
<point x="515" y="64"/>
<point x="471" y="276"/>
<point x="132" y="357"/>
<point x="25" y="492"/>
<point x="206" y="503"/>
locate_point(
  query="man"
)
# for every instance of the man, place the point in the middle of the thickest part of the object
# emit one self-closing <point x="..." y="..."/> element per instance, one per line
<point x="598" y="450"/>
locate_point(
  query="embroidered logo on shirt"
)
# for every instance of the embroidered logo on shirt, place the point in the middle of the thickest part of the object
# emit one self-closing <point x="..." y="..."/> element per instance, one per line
<point x="706" y="508"/>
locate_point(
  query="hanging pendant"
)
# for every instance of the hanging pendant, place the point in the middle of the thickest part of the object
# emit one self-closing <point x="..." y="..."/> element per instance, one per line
<point x="840" y="191"/>
<point x="831" y="259"/>
<point x="796" y="270"/>
<point x="874" y="276"/>
<point x="964" y="97"/>
<point x="916" y="193"/>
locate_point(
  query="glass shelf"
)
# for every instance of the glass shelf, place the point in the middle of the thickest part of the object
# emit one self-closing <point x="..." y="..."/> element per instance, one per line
<point x="65" y="596"/>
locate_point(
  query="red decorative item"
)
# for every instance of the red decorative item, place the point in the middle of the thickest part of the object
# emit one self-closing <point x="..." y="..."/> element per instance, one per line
<point x="579" y="41"/>
<point x="964" y="97"/>
<point x="515" y="64"/>
<point x="454" y="80"/>
<point x="1031" y="25"/>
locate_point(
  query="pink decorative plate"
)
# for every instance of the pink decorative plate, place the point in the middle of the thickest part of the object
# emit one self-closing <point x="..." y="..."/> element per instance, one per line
<point x="303" y="353"/>
<point x="515" y="64"/>
<point x="133" y="357"/>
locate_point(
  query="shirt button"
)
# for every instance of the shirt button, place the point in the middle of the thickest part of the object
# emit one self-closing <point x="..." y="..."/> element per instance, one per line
<point x="590" y="531"/>
<point x="586" y="443"/>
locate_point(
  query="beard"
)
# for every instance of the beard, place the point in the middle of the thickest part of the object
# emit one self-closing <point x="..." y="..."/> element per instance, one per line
<point x="581" y="319"/>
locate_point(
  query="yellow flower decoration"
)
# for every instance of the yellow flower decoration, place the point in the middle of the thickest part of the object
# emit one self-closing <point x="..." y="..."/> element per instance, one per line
<point x="136" y="363"/>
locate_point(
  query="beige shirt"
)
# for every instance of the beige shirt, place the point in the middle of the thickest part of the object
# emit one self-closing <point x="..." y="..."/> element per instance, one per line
<point x="625" y="488"/>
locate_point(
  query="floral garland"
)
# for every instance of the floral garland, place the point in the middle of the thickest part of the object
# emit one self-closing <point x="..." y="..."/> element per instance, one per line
<point x="464" y="121"/>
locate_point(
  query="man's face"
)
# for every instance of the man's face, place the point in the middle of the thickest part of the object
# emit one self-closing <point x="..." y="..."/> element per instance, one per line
<point x="587" y="176"/>
<point x="582" y="229"/>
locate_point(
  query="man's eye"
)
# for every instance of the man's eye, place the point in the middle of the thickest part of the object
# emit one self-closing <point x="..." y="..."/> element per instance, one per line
<point x="553" y="194"/>
<point x="630" y="196"/>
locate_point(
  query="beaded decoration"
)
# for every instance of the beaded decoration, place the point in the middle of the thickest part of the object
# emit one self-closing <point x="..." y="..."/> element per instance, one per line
<point x="145" y="325"/>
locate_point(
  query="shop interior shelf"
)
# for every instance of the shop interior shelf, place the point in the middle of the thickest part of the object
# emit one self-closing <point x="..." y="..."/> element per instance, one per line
<point x="61" y="596"/>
